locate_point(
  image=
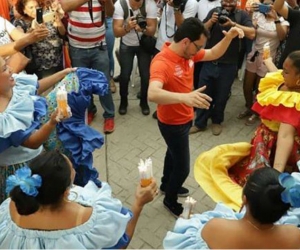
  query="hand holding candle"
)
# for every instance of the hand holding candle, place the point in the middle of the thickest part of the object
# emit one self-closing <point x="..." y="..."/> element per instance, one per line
<point x="188" y="207"/>
<point x="62" y="103"/>
<point x="145" y="171"/>
<point x="266" y="51"/>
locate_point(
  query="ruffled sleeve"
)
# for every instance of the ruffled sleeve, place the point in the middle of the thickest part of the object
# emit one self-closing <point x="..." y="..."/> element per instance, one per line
<point x="26" y="83"/>
<point x="22" y="115"/>
<point x="275" y="105"/>
<point x="105" y="228"/>
<point x="77" y="137"/>
<point x="187" y="233"/>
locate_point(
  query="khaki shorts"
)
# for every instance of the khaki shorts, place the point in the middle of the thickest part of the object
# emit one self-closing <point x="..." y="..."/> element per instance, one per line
<point x="257" y="66"/>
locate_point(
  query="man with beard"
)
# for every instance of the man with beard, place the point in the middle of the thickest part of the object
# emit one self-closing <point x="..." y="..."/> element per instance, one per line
<point x="171" y="84"/>
<point x="219" y="75"/>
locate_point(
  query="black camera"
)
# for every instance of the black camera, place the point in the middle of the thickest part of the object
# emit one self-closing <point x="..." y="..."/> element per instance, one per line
<point x="141" y="21"/>
<point x="222" y="16"/>
<point x="177" y="3"/>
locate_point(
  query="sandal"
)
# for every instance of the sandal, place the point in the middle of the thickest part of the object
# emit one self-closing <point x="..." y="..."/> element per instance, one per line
<point x="251" y="120"/>
<point x="244" y="114"/>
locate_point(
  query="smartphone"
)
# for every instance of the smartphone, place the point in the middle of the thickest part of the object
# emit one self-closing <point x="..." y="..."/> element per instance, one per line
<point x="39" y="15"/>
<point x="263" y="8"/>
<point x="49" y="17"/>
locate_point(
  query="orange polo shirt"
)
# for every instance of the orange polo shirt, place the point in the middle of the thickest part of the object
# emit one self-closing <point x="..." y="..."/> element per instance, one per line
<point x="176" y="74"/>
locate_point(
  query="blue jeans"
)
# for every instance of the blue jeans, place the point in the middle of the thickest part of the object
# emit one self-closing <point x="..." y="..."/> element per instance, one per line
<point x="218" y="78"/>
<point x="110" y="41"/>
<point x="127" y="54"/>
<point x="95" y="58"/>
<point x="177" y="159"/>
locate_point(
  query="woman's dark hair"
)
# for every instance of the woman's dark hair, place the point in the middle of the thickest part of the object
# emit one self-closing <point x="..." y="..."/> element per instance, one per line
<point x="191" y="28"/>
<point x="56" y="178"/>
<point x="20" y="6"/>
<point x="295" y="58"/>
<point x="263" y="193"/>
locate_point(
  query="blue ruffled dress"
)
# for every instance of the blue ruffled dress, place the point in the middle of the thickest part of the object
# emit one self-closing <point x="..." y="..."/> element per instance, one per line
<point x="187" y="233"/>
<point x="73" y="137"/>
<point x="26" y="112"/>
<point x="104" y="229"/>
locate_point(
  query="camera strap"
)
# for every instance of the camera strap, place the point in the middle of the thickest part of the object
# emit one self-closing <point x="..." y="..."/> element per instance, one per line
<point x="125" y="8"/>
<point x="90" y="7"/>
<point x="166" y="24"/>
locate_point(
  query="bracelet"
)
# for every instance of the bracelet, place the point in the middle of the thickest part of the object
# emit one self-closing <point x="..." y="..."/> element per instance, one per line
<point x="277" y="21"/>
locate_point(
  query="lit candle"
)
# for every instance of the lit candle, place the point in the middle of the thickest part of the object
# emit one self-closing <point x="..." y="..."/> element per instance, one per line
<point x="188" y="206"/>
<point x="145" y="171"/>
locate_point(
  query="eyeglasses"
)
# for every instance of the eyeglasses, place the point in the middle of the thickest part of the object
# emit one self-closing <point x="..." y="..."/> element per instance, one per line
<point x="198" y="47"/>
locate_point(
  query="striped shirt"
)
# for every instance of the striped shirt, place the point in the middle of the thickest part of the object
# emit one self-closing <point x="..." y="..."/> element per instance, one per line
<point x="82" y="32"/>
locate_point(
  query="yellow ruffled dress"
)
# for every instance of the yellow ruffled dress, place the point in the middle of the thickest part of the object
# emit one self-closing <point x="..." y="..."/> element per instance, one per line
<point x="214" y="169"/>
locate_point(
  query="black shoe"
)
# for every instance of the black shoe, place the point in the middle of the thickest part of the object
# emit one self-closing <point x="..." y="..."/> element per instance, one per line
<point x="183" y="192"/>
<point x="116" y="78"/>
<point x="174" y="208"/>
<point x="154" y="115"/>
<point x="123" y="107"/>
<point x="145" y="108"/>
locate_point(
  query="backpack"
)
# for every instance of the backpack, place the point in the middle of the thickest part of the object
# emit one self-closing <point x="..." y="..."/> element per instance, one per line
<point x="245" y="45"/>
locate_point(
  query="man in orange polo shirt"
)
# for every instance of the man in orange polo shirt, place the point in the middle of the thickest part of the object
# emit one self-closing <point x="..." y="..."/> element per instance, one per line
<point x="171" y="84"/>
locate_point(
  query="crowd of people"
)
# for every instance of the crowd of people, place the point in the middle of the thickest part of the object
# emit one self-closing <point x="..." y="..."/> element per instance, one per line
<point x="51" y="196"/>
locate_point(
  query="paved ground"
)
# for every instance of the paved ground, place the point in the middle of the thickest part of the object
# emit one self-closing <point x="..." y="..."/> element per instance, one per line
<point x="137" y="136"/>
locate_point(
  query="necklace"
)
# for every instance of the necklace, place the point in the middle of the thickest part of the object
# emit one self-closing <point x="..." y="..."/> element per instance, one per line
<point x="257" y="228"/>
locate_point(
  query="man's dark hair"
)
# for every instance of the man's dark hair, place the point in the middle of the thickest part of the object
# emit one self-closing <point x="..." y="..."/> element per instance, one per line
<point x="191" y="28"/>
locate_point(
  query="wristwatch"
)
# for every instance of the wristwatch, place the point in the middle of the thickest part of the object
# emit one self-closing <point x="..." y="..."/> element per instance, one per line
<point x="277" y="21"/>
<point x="176" y="8"/>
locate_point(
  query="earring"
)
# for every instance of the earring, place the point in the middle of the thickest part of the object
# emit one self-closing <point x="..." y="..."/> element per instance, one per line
<point x="298" y="82"/>
<point x="73" y="195"/>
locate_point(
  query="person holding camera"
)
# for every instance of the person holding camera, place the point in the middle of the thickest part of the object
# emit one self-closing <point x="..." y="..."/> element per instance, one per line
<point x="219" y="75"/>
<point x="131" y="20"/>
<point x="173" y="14"/>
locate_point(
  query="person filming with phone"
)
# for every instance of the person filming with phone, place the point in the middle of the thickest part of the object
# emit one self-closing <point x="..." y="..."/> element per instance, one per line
<point x="270" y="30"/>
<point x="46" y="55"/>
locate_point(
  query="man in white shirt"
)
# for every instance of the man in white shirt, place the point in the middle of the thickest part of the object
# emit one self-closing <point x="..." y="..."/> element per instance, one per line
<point x="172" y="17"/>
<point x="126" y="26"/>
